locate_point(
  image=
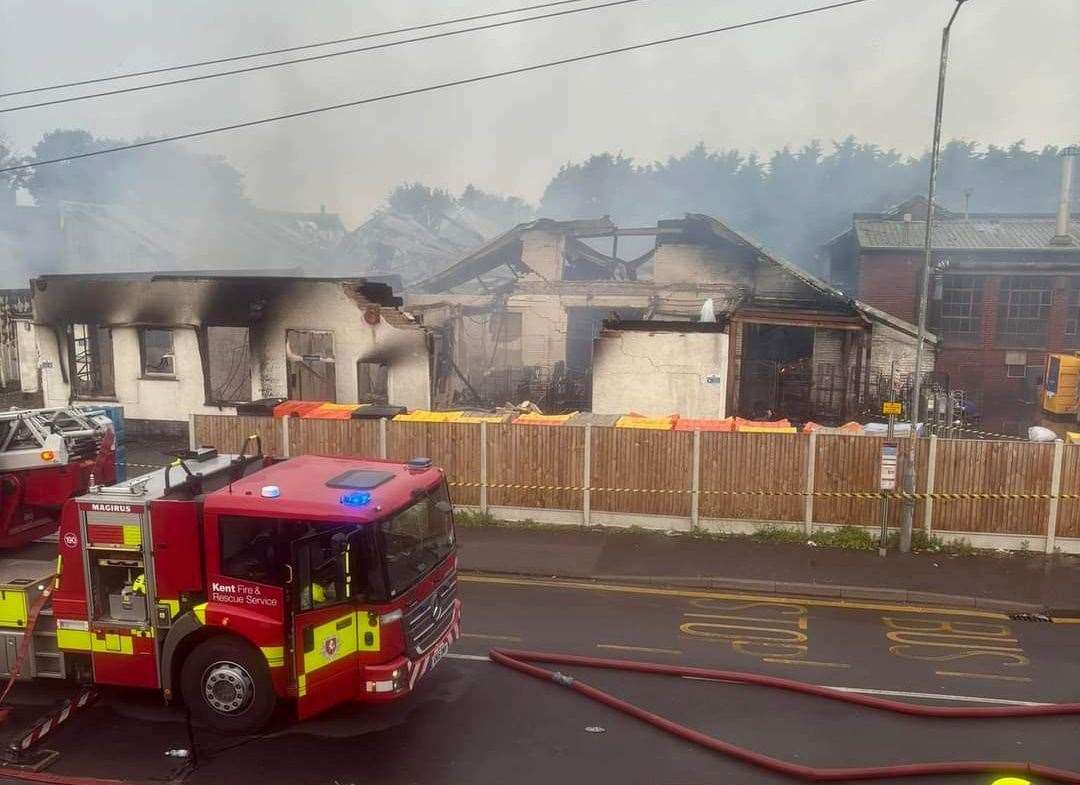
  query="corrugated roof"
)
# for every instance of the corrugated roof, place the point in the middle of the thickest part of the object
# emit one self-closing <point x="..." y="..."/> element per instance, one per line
<point x="977" y="232"/>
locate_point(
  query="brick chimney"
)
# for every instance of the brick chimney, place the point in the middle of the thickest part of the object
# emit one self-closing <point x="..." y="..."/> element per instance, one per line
<point x="1061" y="233"/>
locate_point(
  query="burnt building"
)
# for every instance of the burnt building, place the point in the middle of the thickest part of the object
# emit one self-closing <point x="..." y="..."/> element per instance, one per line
<point x="518" y="317"/>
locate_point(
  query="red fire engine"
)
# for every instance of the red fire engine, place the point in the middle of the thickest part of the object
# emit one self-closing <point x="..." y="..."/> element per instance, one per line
<point x="236" y="582"/>
<point x="46" y="457"/>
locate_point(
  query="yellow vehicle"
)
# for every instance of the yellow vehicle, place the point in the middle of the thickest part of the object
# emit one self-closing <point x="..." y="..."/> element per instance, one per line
<point x="1061" y="382"/>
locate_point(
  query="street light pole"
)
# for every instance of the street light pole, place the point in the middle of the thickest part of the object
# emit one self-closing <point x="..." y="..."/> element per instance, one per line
<point x="924" y="285"/>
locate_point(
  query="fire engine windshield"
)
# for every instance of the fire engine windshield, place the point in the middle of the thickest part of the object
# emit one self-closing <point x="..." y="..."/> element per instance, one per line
<point x="417" y="539"/>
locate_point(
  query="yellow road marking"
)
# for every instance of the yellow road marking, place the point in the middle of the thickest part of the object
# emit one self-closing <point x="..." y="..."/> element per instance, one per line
<point x="1057" y="620"/>
<point x="508" y="638"/>
<point x="815" y="663"/>
<point x="645" y="649"/>
<point x="993" y="676"/>
<point x="657" y="592"/>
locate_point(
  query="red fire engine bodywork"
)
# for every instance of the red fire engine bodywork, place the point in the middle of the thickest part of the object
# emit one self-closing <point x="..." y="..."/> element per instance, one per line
<point x="31" y="499"/>
<point x="350" y="650"/>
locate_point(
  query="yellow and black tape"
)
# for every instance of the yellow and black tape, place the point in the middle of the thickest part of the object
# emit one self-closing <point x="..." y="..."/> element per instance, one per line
<point x="902" y="495"/>
<point x="991" y="434"/>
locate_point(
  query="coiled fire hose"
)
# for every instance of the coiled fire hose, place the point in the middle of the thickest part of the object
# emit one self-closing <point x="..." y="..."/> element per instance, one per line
<point x="521" y="661"/>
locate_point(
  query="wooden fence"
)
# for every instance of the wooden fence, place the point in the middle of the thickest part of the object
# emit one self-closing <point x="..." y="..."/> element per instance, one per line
<point x="678" y="479"/>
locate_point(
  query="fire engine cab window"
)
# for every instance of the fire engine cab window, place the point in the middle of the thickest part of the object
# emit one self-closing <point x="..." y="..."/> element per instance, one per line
<point x="417" y="539"/>
<point x="256" y="549"/>
<point x="321" y="568"/>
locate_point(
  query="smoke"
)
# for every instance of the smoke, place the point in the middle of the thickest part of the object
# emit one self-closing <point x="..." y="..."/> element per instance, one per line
<point x="866" y="72"/>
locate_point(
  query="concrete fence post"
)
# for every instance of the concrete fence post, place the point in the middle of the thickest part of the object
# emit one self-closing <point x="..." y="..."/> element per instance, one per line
<point x="931" y="470"/>
<point x="695" y="483"/>
<point x="191" y="431"/>
<point x="1055" y="489"/>
<point x="808" y="499"/>
<point x="483" y="468"/>
<point x="586" y="478"/>
<point x="382" y="437"/>
<point x="285" y="450"/>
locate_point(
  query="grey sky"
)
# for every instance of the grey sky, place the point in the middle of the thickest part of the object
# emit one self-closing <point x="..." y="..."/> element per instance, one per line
<point x="867" y="70"/>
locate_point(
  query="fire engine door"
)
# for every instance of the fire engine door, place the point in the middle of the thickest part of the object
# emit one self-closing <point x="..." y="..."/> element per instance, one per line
<point x="325" y="625"/>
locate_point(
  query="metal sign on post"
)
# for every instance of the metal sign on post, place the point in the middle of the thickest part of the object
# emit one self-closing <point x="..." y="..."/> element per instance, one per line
<point x="890" y="456"/>
<point x="890" y="459"/>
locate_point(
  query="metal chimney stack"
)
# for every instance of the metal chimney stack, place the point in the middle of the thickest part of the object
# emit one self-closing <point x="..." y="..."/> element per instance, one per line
<point x="1061" y="235"/>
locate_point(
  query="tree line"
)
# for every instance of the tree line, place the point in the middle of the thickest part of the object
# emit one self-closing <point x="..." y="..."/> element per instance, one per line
<point x="792" y="200"/>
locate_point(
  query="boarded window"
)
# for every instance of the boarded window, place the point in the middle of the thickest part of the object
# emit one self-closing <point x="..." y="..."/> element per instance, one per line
<point x="310" y="358"/>
<point x="90" y="355"/>
<point x="156" y="348"/>
<point x="372" y="383"/>
<point x="1024" y="310"/>
<point x="229" y="357"/>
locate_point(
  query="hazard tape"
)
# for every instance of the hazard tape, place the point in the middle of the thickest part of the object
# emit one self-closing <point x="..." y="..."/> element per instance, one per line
<point x="991" y="434"/>
<point x="903" y="495"/>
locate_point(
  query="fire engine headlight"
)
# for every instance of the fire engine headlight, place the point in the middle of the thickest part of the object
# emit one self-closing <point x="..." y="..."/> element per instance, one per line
<point x="400" y="678"/>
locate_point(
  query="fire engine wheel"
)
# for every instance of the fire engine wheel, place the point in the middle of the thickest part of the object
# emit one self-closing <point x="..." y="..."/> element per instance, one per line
<point x="227" y="686"/>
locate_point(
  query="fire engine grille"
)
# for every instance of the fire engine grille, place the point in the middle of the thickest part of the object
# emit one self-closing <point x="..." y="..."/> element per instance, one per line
<point x="426" y="622"/>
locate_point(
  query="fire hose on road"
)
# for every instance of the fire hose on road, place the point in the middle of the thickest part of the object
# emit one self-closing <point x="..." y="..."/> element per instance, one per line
<point x="521" y="661"/>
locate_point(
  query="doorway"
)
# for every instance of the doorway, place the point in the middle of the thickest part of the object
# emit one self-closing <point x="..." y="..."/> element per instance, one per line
<point x="311" y="370"/>
<point x="777" y="371"/>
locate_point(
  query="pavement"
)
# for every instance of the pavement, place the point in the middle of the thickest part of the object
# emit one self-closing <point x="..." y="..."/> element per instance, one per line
<point x="471" y="721"/>
<point x="1010" y="582"/>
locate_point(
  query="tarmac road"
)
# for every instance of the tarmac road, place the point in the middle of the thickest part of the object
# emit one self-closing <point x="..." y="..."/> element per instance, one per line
<point x="475" y="722"/>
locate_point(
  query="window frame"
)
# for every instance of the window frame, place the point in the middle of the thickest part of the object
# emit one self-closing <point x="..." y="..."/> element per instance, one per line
<point x="238" y="378"/>
<point x="1014" y="314"/>
<point x="343" y="592"/>
<point x="1072" y="309"/>
<point x="98" y="342"/>
<point x="144" y="371"/>
<point x="955" y="284"/>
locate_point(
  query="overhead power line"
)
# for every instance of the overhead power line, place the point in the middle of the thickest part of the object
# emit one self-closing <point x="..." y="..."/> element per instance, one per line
<point x="287" y="49"/>
<point x="435" y="87"/>
<point x="311" y="58"/>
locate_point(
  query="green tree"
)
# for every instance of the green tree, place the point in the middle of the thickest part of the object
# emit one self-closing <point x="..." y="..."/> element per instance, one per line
<point x="502" y="211"/>
<point x="421" y="202"/>
<point x="169" y="175"/>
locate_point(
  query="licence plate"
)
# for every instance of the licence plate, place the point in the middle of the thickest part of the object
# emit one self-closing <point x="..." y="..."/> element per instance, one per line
<point x="439" y="653"/>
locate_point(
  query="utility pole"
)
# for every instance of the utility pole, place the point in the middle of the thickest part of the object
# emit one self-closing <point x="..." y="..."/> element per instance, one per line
<point x="924" y="284"/>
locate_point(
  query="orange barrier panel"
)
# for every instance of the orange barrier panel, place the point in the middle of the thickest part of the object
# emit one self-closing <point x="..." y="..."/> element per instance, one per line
<point x="740" y="423"/>
<point x="722" y="426"/>
<point x="331" y="411"/>
<point x="296" y="408"/>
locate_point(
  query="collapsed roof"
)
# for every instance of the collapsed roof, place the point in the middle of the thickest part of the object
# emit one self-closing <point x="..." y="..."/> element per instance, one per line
<point x="772" y="280"/>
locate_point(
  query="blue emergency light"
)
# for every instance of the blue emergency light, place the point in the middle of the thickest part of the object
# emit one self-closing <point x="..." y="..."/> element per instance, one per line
<point x="355" y="498"/>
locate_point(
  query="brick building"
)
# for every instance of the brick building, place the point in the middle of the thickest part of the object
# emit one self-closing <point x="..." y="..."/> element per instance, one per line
<point x="1005" y="291"/>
